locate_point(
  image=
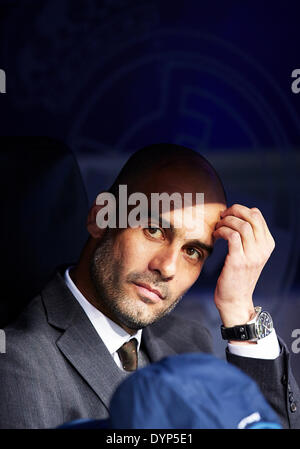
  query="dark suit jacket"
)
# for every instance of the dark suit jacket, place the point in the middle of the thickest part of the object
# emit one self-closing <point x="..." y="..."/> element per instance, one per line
<point x="57" y="369"/>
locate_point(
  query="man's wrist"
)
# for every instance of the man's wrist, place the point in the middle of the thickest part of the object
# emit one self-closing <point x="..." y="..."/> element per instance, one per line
<point x="235" y="317"/>
<point x="241" y="343"/>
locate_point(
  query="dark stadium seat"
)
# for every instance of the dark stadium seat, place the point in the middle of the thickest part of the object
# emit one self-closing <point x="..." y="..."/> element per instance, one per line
<point x="43" y="213"/>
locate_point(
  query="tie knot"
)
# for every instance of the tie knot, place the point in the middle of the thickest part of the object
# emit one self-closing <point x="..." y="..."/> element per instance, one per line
<point x="128" y="355"/>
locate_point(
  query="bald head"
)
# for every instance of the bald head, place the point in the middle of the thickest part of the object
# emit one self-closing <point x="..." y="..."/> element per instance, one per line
<point x="170" y="168"/>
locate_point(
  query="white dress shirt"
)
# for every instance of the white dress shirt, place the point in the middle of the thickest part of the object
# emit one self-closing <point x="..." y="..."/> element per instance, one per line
<point x="265" y="348"/>
<point x="114" y="336"/>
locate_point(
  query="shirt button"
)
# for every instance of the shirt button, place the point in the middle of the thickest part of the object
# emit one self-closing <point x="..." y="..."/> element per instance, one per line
<point x="293" y="407"/>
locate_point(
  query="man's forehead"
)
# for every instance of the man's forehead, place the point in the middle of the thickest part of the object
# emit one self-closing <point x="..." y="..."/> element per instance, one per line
<point x="191" y="212"/>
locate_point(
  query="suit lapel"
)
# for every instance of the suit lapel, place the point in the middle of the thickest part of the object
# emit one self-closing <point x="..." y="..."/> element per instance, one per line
<point x="79" y="342"/>
<point x="84" y="349"/>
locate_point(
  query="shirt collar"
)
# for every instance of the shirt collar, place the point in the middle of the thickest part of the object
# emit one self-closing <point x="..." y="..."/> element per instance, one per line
<point x="112" y="335"/>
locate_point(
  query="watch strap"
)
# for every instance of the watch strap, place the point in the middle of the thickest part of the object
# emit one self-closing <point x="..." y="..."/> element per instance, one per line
<point x="243" y="332"/>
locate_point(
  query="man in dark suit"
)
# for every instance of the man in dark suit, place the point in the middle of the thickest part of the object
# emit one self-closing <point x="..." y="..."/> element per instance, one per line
<point x="97" y="321"/>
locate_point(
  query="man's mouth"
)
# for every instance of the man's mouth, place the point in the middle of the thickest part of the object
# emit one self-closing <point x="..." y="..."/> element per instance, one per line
<point x="151" y="293"/>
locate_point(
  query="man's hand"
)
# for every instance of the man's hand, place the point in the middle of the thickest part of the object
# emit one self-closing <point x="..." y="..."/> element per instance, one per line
<point x="250" y="245"/>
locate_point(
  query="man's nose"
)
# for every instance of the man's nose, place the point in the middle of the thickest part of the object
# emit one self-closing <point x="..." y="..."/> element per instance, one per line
<point x="165" y="263"/>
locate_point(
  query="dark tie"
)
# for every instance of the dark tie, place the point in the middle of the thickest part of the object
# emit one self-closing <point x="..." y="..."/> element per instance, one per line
<point x="128" y="355"/>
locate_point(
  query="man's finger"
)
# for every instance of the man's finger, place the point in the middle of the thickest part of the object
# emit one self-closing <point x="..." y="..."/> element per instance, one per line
<point x="252" y="216"/>
<point x="235" y="247"/>
<point x="242" y="227"/>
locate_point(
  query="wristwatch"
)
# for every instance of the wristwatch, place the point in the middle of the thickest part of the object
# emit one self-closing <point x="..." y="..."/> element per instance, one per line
<point x="259" y="327"/>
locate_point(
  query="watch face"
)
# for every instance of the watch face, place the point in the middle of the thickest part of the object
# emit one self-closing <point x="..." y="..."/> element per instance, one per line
<point x="264" y="325"/>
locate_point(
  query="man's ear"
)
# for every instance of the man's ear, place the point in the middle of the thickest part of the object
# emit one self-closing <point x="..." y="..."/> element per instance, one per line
<point x="91" y="224"/>
<point x="94" y="230"/>
<point x="97" y="223"/>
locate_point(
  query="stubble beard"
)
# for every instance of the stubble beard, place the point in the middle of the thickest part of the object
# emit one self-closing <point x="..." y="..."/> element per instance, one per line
<point x="106" y="275"/>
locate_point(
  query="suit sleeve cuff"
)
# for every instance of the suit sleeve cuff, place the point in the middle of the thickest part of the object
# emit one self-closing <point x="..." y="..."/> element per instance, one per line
<point x="267" y="348"/>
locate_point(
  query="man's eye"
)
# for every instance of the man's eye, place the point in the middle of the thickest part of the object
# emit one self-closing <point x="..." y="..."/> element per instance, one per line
<point x="155" y="233"/>
<point x="193" y="253"/>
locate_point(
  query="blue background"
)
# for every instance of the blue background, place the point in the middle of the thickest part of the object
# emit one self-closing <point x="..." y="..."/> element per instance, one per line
<point x="108" y="77"/>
